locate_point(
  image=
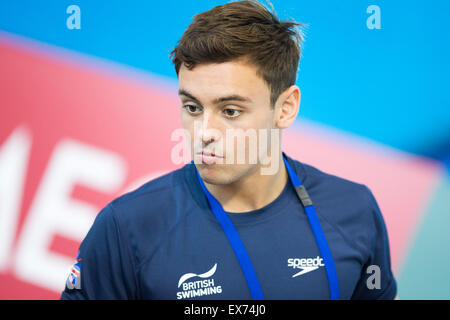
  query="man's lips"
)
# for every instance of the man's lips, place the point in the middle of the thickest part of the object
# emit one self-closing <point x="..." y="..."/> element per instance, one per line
<point x="209" y="157"/>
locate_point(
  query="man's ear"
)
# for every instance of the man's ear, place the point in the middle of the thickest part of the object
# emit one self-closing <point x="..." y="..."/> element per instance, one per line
<point x="288" y="105"/>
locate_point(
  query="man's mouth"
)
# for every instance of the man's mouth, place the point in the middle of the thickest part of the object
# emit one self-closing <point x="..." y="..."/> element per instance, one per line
<point x="209" y="157"/>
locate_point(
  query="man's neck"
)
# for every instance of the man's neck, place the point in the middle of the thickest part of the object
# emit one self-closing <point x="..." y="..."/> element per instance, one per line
<point x="252" y="192"/>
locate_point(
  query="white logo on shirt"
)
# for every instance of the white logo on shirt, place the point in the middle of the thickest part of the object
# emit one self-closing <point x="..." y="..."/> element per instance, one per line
<point x="306" y="264"/>
<point x="200" y="287"/>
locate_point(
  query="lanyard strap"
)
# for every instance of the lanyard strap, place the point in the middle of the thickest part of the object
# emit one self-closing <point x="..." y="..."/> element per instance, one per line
<point x="241" y="253"/>
<point x="236" y="244"/>
<point x="317" y="230"/>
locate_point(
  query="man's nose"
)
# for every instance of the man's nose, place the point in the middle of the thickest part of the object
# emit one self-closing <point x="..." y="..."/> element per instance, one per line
<point x="209" y="131"/>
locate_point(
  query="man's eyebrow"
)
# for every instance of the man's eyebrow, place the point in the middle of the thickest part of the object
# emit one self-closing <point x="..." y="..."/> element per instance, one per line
<point x="233" y="97"/>
<point x="183" y="92"/>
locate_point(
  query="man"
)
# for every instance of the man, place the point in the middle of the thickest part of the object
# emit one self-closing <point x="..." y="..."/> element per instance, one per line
<point x="228" y="228"/>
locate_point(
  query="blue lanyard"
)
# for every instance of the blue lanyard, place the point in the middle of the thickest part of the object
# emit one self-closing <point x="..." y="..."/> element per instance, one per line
<point x="241" y="253"/>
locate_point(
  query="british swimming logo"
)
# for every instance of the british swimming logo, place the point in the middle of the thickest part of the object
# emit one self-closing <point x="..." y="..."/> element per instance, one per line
<point x="198" y="288"/>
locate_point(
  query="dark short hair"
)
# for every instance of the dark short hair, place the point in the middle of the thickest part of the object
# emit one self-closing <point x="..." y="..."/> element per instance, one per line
<point x="248" y="30"/>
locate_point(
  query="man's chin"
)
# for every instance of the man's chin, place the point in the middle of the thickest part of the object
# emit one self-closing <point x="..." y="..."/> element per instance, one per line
<point x="214" y="174"/>
<point x="223" y="174"/>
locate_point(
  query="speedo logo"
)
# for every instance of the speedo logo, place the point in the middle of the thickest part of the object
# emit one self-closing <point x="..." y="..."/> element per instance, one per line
<point x="306" y="264"/>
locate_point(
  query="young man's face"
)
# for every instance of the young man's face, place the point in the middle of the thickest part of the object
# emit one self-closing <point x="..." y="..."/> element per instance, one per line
<point x="214" y="123"/>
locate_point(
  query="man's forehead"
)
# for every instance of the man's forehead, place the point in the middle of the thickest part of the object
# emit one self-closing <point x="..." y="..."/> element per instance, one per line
<point x="220" y="81"/>
<point x="234" y="70"/>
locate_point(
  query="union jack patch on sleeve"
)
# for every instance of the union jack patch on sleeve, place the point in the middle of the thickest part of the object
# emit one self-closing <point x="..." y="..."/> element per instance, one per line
<point x="74" y="279"/>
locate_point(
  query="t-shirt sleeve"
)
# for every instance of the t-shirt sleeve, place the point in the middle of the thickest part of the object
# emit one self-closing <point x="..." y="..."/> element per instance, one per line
<point x="377" y="280"/>
<point x="104" y="267"/>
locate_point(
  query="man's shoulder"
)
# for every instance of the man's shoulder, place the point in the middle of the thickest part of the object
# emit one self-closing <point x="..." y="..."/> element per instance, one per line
<point x="339" y="200"/>
<point x="154" y="189"/>
<point x="155" y="199"/>
<point x="323" y="181"/>
<point x="145" y="216"/>
<point x="348" y="206"/>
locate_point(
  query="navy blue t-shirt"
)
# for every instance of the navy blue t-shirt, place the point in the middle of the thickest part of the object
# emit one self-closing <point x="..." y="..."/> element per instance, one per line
<point x="162" y="241"/>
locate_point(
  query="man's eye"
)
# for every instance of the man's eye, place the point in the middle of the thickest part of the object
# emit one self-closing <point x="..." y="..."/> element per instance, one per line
<point x="192" y="109"/>
<point x="232" y="113"/>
